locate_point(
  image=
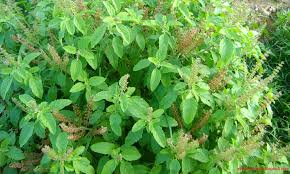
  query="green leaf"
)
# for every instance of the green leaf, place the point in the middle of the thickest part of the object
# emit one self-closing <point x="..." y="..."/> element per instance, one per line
<point x="75" y="69"/>
<point x="103" y="147"/>
<point x="174" y="166"/>
<point x="83" y="164"/>
<point x="140" y="124"/>
<point x="29" y="57"/>
<point x="133" y="137"/>
<point x="93" y="62"/>
<point x="137" y="107"/>
<point x="189" y="109"/>
<point x="200" y="155"/>
<point x="103" y="95"/>
<point x="61" y="141"/>
<point x="15" y="153"/>
<point x="96" y="80"/>
<point x="163" y="47"/>
<point x="115" y="122"/>
<point x="186" y="165"/>
<point x="126" y="168"/>
<point x="26" y="133"/>
<point x="125" y="34"/>
<point x="109" y="167"/>
<point x="117" y="5"/>
<point x="226" y="50"/>
<point x="35" y="85"/>
<point x="70" y="27"/>
<point x="70" y="49"/>
<point x="87" y="54"/>
<point x="155" y="79"/>
<point x="48" y="121"/>
<point x="124" y="100"/>
<point x="112" y="57"/>
<point x="140" y="41"/>
<point x="59" y="104"/>
<point x="98" y="35"/>
<point x="130" y="153"/>
<point x="5" y="86"/>
<point x="185" y="12"/>
<point x="167" y="101"/>
<point x="80" y="24"/>
<point x="141" y="64"/>
<point x="158" y="135"/>
<point x="110" y="8"/>
<point x="118" y="46"/>
<point x="77" y="87"/>
<point x="25" y="98"/>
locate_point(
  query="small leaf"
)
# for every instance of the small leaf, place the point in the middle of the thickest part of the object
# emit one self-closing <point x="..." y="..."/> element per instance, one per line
<point x="110" y="8"/>
<point x="77" y="87"/>
<point x="15" y="153"/>
<point x="124" y="100"/>
<point x="115" y="122"/>
<point x="29" y="57"/>
<point x="26" y="133"/>
<point x="109" y="167"/>
<point x="75" y="69"/>
<point x="186" y="165"/>
<point x="226" y="50"/>
<point x="163" y="47"/>
<point x="25" y="98"/>
<point x="70" y="49"/>
<point x="98" y="35"/>
<point x="112" y="57"/>
<point x="130" y="153"/>
<point x="174" y="166"/>
<point x="185" y="12"/>
<point x="141" y="64"/>
<point x="35" y="85"/>
<point x="126" y="168"/>
<point x="189" y="108"/>
<point x="59" y="104"/>
<point x="155" y="79"/>
<point x="48" y="121"/>
<point x="133" y="137"/>
<point x="168" y="100"/>
<point x="103" y="147"/>
<point x="96" y="80"/>
<point x="87" y="54"/>
<point x="70" y="27"/>
<point x="80" y="24"/>
<point x="158" y="135"/>
<point x="200" y="155"/>
<point x="103" y="95"/>
<point x="118" y="46"/>
<point x="5" y="86"/>
<point x="61" y="141"/>
<point x="117" y="5"/>
<point x="140" y="124"/>
<point x="125" y="33"/>
<point x="83" y="164"/>
<point x="140" y="41"/>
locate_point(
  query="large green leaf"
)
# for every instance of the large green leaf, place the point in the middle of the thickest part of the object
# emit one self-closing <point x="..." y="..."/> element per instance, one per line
<point x="126" y="168"/>
<point x="125" y="33"/>
<point x="103" y="147"/>
<point x="141" y="64"/>
<point x="130" y="153"/>
<point x="77" y="87"/>
<point x="118" y="46"/>
<point x="80" y="24"/>
<point x="98" y="35"/>
<point x="226" y="50"/>
<point x="5" y="86"/>
<point x="75" y="69"/>
<point x="112" y="57"/>
<point x="26" y="133"/>
<point x="140" y="41"/>
<point x="15" y="153"/>
<point x="83" y="164"/>
<point x="115" y="123"/>
<point x="155" y="79"/>
<point x="59" y="104"/>
<point x="158" y="135"/>
<point x="70" y="49"/>
<point x="109" y="167"/>
<point x="189" y="109"/>
<point x="35" y="85"/>
<point x="48" y="121"/>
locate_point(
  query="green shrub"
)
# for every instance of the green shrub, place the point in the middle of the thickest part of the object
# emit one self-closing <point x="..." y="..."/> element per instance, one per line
<point x="141" y="86"/>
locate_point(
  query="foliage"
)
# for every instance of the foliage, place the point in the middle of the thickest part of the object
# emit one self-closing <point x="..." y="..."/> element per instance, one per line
<point x="137" y="86"/>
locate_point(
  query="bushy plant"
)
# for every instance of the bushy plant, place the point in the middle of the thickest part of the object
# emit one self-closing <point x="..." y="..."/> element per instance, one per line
<point x="136" y="86"/>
